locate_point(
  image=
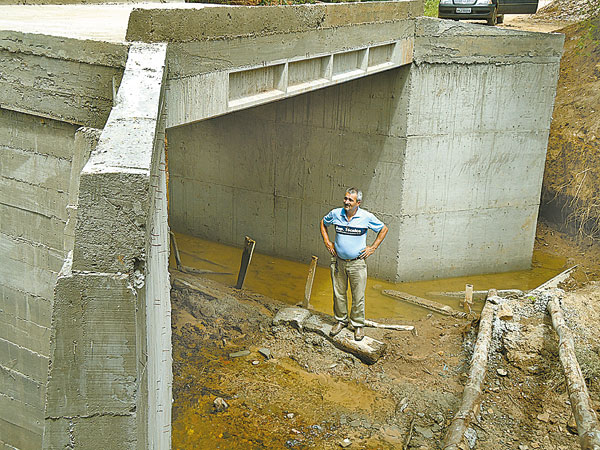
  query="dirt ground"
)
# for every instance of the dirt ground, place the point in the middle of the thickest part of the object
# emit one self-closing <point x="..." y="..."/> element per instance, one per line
<point x="303" y="393"/>
<point x="308" y="394"/>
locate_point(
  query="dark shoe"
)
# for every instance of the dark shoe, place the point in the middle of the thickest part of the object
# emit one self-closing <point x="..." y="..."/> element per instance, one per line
<point x="337" y="328"/>
<point x="358" y="334"/>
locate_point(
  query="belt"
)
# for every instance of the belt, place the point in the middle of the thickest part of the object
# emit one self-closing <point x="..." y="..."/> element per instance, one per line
<point x="348" y="260"/>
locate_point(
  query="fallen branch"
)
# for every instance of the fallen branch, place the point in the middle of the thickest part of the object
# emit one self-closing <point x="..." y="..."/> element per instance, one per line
<point x="472" y="391"/>
<point x="424" y="303"/>
<point x="373" y="324"/>
<point x="585" y="416"/>
<point x="554" y="282"/>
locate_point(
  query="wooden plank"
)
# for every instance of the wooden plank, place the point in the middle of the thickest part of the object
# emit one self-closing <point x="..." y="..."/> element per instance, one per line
<point x="309" y="281"/>
<point x="424" y="303"/>
<point x="554" y="282"/>
<point x="246" y="258"/>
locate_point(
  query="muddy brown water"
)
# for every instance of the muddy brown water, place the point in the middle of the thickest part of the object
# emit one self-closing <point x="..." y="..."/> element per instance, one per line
<point x="285" y="280"/>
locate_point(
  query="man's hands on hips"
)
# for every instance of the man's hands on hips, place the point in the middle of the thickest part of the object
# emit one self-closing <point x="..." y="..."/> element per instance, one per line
<point x="330" y="247"/>
<point x="368" y="251"/>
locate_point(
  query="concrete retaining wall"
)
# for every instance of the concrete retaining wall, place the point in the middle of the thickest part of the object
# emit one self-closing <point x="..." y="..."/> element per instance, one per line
<point x="40" y="161"/>
<point x="110" y="348"/>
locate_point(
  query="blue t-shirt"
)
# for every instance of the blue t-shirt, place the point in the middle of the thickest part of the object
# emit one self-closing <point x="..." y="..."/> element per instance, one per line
<point x="351" y="236"/>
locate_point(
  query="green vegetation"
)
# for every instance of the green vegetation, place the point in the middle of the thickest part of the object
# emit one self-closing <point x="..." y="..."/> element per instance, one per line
<point x="431" y="8"/>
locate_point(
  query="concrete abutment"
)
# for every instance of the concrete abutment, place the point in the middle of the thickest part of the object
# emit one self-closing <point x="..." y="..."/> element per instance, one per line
<point x="444" y="126"/>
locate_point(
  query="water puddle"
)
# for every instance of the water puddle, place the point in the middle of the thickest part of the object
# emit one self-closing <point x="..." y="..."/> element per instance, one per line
<point x="285" y="280"/>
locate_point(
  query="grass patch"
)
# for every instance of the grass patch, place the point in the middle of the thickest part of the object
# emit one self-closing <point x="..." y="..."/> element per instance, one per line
<point x="431" y="8"/>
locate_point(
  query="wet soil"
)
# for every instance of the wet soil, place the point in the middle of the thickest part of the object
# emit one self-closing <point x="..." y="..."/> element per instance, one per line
<point x="310" y="395"/>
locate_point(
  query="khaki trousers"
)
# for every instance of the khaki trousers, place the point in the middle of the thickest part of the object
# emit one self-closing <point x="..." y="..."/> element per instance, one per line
<point x="354" y="272"/>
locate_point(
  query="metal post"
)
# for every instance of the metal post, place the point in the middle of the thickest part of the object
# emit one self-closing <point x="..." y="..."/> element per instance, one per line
<point x="246" y="258"/>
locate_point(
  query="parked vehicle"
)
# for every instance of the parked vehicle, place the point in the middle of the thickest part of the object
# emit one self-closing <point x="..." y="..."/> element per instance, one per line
<point x="492" y="11"/>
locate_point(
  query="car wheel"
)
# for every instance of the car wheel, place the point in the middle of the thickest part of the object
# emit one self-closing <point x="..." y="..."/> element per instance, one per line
<point x="500" y="18"/>
<point x="494" y="19"/>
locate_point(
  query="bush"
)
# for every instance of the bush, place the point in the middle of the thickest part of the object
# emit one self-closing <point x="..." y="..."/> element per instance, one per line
<point x="431" y="8"/>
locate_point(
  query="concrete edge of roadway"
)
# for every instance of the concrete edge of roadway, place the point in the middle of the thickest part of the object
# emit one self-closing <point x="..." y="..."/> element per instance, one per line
<point x="71" y="49"/>
<point x="223" y="22"/>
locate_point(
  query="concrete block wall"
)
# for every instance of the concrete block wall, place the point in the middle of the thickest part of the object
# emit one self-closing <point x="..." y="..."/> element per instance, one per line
<point x="40" y="160"/>
<point x="274" y="171"/>
<point x="111" y="317"/>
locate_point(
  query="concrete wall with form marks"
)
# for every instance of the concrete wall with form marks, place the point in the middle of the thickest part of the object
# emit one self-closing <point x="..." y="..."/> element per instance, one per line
<point x="40" y="161"/>
<point x="277" y="169"/>
<point x="449" y="152"/>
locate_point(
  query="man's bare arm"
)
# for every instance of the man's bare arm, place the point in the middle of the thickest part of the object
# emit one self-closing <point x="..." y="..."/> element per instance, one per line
<point x="369" y="250"/>
<point x="326" y="239"/>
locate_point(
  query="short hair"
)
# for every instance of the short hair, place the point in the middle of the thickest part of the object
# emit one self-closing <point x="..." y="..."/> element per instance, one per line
<point x="358" y="193"/>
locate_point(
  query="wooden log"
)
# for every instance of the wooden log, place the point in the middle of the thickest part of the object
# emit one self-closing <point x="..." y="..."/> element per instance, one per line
<point x="472" y="391"/>
<point x="373" y="324"/>
<point x="555" y="281"/>
<point x="309" y="281"/>
<point x="585" y="416"/>
<point x="479" y="295"/>
<point x="246" y="258"/>
<point x="424" y="303"/>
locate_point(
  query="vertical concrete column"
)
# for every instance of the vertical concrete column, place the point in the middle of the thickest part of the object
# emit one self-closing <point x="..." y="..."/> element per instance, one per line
<point x="99" y="386"/>
<point x="479" y="112"/>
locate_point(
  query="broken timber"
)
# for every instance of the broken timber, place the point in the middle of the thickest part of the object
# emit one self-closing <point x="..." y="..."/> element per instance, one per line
<point x="309" y="281"/>
<point x="479" y="295"/>
<point x="388" y="326"/>
<point x="472" y="391"/>
<point x="177" y="257"/>
<point x="368" y="350"/>
<point x="424" y="303"/>
<point x="585" y="416"/>
<point x="246" y="258"/>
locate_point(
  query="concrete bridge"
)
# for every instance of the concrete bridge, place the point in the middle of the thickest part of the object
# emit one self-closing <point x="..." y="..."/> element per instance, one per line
<point x="267" y="114"/>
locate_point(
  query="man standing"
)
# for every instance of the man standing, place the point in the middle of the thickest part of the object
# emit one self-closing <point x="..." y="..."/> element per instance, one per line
<point x="348" y="258"/>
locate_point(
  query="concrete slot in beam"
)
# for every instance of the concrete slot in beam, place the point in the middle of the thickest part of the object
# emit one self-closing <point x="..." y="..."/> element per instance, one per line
<point x="258" y="85"/>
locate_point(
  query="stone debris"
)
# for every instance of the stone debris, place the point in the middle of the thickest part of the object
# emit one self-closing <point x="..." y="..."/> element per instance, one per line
<point x="425" y="432"/>
<point x="346" y="443"/>
<point x="502" y="372"/>
<point x="239" y="354"/>
<point x="291" y="316"/>
<point x="544" y="417"/>
<point x="265" y="352"/>
<point x="505" y="312"/>
<point x="219" y="404"/>
<point x="471" y="437"/>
